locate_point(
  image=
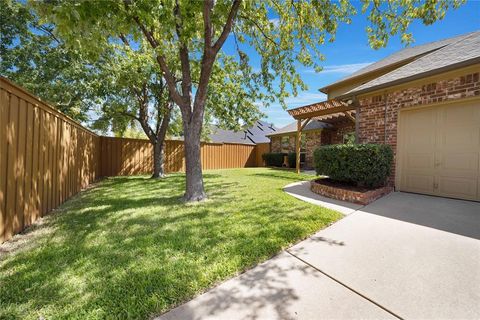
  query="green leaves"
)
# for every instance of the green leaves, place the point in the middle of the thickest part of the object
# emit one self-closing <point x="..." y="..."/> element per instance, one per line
<point x="284" y="35"/>
<point x="364" y="165"/>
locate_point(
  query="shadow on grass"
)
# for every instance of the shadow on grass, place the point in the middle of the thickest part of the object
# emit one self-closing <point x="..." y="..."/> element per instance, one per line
<point x="130" y="247"/>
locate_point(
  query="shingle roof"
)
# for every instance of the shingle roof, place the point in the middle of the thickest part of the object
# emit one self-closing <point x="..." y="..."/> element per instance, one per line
<point x="464" y="49"/>
<point x="292" y="127"/>
<point x="252" y="135"/>
<point x="402" y="55"/>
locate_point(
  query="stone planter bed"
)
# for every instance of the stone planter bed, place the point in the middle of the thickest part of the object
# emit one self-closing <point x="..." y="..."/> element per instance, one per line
<point x="345" y="192"/>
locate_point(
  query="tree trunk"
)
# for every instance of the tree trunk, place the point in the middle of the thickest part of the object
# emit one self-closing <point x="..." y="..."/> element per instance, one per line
<point x="158" y="160"/>
<point x="194" y="190"/>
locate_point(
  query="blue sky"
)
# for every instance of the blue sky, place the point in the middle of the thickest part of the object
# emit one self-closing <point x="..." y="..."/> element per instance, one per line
<point x="351" y="51"/>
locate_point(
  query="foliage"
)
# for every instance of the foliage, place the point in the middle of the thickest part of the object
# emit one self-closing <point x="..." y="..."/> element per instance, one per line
<point x="186" y="40"/>
<point x="291" y="38"/>
<point x="33" y="57"/>
<point x="366" y="165"/>
<point x="274" y="159"/>
<point x="130" y="249"/>
<point x="292" y="159"/>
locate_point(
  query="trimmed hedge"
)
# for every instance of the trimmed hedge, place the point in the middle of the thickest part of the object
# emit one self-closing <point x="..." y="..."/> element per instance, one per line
<point x="273" y="159"/>
<point x="363" y="165"/>
<point x="292" y="159"/>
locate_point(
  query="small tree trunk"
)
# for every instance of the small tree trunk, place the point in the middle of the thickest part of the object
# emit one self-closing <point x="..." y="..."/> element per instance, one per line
<point x="194" y="190"/>
<point x="158" y="160"/>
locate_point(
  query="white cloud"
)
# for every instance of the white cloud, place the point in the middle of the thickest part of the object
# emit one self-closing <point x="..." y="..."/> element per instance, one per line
<point x="275" y="21"/>
<point x="276" y="114"/>
<point x="342" y="68"/>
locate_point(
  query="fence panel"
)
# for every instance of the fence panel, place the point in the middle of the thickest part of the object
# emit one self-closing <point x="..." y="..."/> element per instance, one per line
<point x="125" y="156"/>
<point x="261" y="149"/>
<point x="43" y="153"/>
<point x="46" y="158"/>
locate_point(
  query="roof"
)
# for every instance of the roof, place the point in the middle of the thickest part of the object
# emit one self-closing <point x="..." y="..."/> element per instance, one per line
<point x="252" y="135"/>
<point x="464" y="51"/>
<point x="403" y="56"/>
<point x="319" y="108"/>
<point x="292" y="127"/>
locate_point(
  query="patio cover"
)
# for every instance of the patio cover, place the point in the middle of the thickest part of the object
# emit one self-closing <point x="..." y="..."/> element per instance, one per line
<point x="323" y="111"/>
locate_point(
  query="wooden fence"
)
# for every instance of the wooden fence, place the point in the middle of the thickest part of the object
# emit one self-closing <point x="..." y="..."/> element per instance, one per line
<point x="46" y="158"/>
<point x="123" y="157"/>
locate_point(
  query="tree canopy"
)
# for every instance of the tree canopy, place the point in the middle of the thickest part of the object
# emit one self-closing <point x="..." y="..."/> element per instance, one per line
<point x="34" y="57"/>
<point x="186" y="39"/>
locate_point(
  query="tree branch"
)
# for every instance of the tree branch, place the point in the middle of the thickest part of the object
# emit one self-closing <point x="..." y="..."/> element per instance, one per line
<point x="228" y="26"/>
<point x="207" y="22"/>
<point x="171" y="82"/>
<point x="184" y="59"/>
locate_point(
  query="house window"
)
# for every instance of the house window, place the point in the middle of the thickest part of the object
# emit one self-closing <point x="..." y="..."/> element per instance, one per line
<point x="349" y="138"/>
<point x="285" y="144"/>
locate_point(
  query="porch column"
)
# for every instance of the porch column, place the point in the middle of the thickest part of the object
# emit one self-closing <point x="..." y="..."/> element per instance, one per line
<point x="297" y="145"/>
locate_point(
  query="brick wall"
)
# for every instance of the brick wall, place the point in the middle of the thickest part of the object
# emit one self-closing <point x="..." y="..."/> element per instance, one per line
<point x="339" y="131"/>
<point x="276" y="144"/>
<point x="313" y="141"/>
<point x="378" y="114"/>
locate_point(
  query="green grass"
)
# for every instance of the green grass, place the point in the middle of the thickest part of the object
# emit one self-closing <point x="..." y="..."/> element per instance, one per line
<point x="129" y="248"/>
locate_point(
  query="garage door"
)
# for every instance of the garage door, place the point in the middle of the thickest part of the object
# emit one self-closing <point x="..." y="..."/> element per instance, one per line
<point x="439" y="150"/>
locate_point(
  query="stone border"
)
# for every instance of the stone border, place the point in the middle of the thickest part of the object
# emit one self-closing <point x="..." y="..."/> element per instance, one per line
<point x="359" y="197"/>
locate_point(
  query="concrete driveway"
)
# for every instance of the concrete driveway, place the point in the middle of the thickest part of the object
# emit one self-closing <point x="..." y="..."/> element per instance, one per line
<point x="404" y="256"/>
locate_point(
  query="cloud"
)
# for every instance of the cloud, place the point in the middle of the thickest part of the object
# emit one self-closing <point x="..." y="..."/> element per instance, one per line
<point x="342" y="68"/>
<point x="275" y="21"/>
<point x="276" y="114"/>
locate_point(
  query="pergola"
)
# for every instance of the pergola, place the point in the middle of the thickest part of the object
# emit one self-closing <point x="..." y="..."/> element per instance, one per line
<point x="330" y="111"/>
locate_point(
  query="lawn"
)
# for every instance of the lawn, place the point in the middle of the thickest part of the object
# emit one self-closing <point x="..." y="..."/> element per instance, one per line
<point x="129" y="248"/>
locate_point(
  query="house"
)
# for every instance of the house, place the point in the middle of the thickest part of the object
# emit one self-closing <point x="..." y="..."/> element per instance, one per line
<point x="424" y="101"/>
<point x="257" y="133"/>
<point x="315" y="133"/>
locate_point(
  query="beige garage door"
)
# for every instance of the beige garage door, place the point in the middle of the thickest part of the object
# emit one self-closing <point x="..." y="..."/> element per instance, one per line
<point x="439" y="150"/>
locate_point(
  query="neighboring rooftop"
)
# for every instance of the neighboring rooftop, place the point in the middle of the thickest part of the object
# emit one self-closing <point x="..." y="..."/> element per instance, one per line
<point x="252" y="135"/>
<point x="292" y="127"/>
<point x="416" y="53"/>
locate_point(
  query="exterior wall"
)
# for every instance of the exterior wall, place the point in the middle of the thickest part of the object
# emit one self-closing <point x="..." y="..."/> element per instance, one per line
<point x="337" y="133"/>
<point x="313" y="140"/>
<point x="378" y="114"/>
<point x="276" y="144"/>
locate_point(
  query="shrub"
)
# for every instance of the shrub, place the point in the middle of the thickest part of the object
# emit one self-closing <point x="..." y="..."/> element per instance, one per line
<point x="273" y="159"/>
<point x="363" y="165"/>
<point x="292" y="159"/>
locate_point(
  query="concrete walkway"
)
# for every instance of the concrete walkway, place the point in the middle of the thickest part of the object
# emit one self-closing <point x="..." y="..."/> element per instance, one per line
<point x="403" y="256"/>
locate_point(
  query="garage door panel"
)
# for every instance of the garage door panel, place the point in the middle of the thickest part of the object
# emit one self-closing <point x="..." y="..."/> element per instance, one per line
<point x="440" y="150"/>
<point x="420" y="161"/>
<point x="465" y="188"/>
<point x="459" y="164"/>
<point x="419" y="183"/>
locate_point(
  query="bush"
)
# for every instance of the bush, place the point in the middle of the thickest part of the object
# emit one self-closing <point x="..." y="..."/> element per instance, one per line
<point x="292" y="159"/>
<point x="273" y="159"/>
<point x="363" y="165"/>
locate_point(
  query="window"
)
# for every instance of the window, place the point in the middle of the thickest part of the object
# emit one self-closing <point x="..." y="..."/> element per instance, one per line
<point x="349" y="138"/>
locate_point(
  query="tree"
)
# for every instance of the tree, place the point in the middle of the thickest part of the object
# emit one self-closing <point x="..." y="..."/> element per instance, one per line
<point x="194" y="32"/>
<point x="135" y="92"/>
<point x="32" y="56"/>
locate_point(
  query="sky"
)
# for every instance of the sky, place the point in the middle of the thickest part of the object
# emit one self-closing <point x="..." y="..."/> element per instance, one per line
<point x="351" y="51"/>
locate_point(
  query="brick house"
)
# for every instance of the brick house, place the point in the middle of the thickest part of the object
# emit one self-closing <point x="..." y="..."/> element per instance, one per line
<point x="424" y="101"/>
<point x="314" y="134"/>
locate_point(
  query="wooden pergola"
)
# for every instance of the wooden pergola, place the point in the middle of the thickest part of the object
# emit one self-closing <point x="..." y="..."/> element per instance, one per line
<point x="329" y="111"/>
